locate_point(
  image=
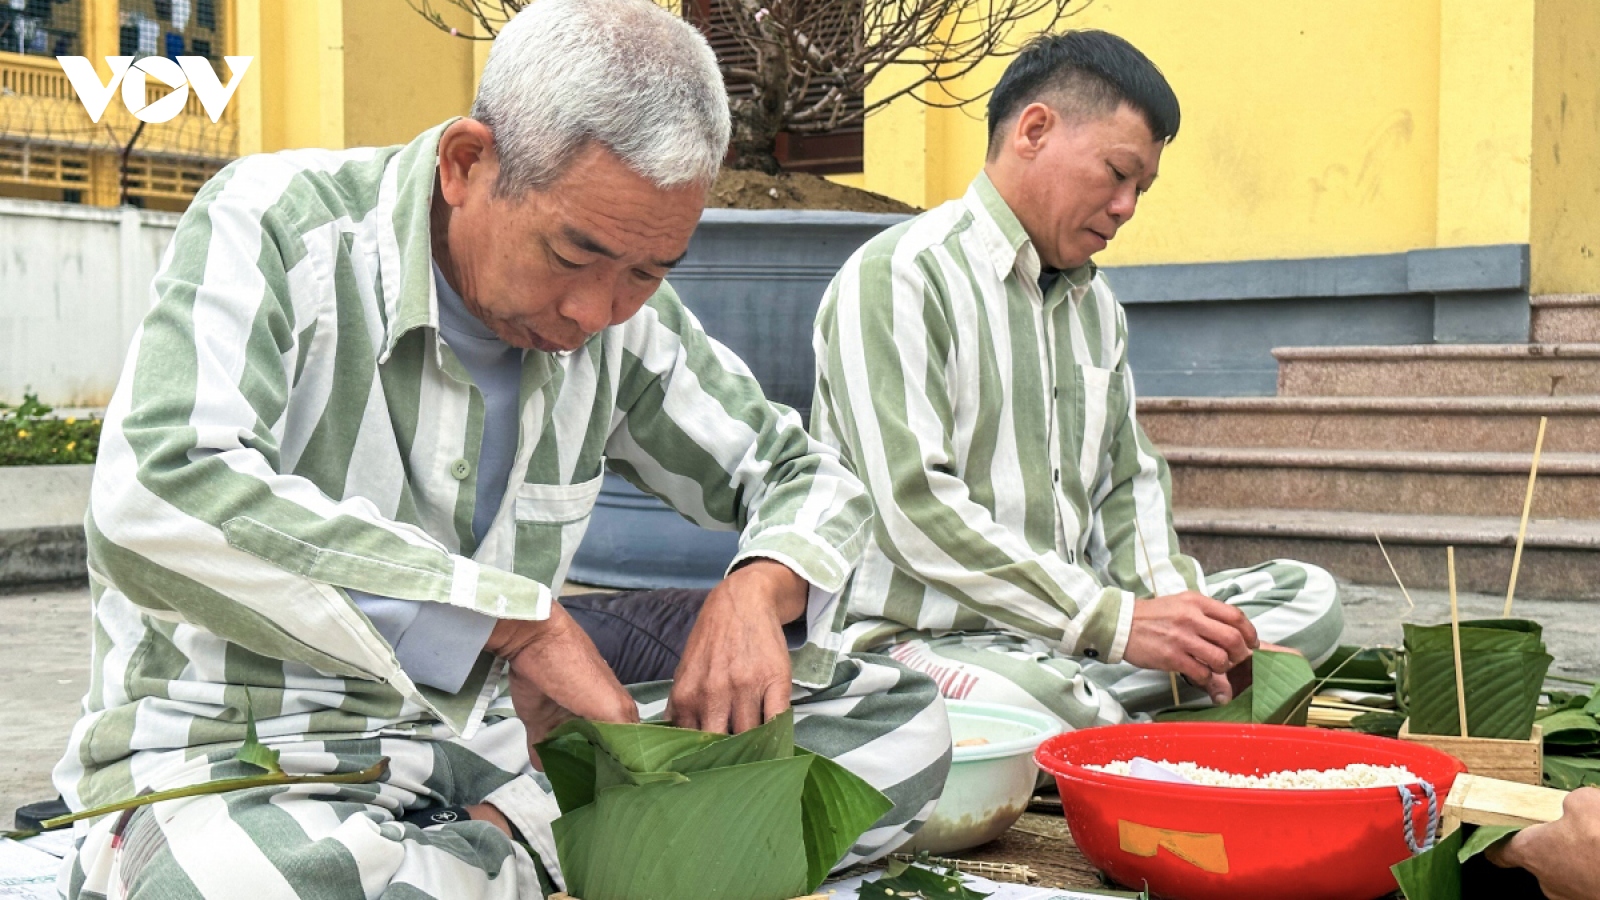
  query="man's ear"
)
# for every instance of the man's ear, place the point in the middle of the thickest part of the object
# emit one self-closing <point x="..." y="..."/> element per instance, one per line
<point x="466" y="155"/>
<point x="1032" y="129"/>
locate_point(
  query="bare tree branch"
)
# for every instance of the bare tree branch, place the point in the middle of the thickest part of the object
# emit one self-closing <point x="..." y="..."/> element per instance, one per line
<point x="803" y="66"/>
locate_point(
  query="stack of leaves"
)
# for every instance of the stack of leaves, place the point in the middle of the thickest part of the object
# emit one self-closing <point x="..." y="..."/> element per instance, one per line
<point x="1279" y="694"/>
<point x="669" y="813"/>
<point x="1503" y="664"/>
<point x="909" y="881"/>
<point x="1571" y="725"/>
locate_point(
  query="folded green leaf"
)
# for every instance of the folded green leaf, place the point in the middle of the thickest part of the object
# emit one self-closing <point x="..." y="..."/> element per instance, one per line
<point x="1503" y="667"/>
<point x="754" y="745"/>
<point x="1434" y="875"/>
<point x="746" y="816"/>
<point x="1279" y="694"/>
<point x="640" y="748"/>
<point x="728" y="833"/>
<point x="569" y="763"/>
<point x="1482" y="838"/>
<point x="837" y="808"/>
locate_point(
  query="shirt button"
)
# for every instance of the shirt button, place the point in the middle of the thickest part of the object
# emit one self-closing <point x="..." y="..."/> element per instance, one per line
<point x="460" y="469"/>
<point x="1092" y="653"/>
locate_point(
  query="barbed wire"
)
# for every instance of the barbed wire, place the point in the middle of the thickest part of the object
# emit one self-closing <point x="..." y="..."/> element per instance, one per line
<point x="64" y="123"/>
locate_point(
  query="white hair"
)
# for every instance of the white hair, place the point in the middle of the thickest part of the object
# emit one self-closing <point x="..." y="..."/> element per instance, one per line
<point x="626" y="74"/>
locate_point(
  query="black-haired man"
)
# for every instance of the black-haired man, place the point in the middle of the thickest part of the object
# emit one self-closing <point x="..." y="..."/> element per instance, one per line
<point x="972" y="365"/>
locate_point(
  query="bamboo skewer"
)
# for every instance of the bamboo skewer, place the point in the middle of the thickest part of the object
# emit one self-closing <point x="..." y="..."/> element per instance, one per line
<point x="1455" y="641"/>
<point x="1150" y="577"/>
<point x="1527" y="507"/>
<point x="1396" y="572"/>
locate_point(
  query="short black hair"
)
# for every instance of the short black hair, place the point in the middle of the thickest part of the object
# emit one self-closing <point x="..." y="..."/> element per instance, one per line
<point x="1096" y="70"/>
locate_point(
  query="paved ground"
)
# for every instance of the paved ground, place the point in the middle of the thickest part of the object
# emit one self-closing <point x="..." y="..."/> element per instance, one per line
<point x="1571" y="628"/>
<point x="44" y="670"/>
<point x="44" y="651"/>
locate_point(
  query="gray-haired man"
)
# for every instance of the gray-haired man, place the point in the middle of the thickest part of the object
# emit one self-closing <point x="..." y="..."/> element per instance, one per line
<point x="355" y="445"/>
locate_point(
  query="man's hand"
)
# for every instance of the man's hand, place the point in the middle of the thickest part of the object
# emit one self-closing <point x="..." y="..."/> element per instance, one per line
<point x="735" y="669"/>
<point x="556" y="673"/>
<point x="1193" y="635"/>
<point x="1561" y="854"/>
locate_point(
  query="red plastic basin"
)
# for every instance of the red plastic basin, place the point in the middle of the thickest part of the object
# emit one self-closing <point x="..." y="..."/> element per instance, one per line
<point x="1191" y="842"/>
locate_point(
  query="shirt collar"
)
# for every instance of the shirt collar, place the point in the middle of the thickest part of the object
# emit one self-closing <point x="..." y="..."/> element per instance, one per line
<point x="406" y="265"/>
<point x="1005" y="242"/>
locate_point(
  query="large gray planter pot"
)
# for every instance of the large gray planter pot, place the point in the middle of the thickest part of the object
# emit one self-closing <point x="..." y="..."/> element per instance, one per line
<point x="754" y="278"/>
<point x="41" y="523"/>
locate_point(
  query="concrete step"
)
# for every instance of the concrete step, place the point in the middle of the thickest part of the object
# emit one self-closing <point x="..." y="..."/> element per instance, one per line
<point x="1560" y="559"/>
<point x="1497" y="424"/>
<point x="1452" y="370"/>
<point x="1566" y="318"/>
<point x="1386" y="481"/>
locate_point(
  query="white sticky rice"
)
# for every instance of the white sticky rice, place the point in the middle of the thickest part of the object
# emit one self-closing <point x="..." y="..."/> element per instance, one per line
<point x="1355" y="775"/>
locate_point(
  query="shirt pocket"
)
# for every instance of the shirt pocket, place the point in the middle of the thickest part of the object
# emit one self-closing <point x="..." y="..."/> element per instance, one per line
<point x="551" y="520"/>
<point x="1101" y="409"/>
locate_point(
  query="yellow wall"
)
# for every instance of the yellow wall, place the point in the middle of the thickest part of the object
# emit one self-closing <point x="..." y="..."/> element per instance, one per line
<point x="293" y="95"/>
<point x="1485" y="121"/>
<point x="386" y="42"/>
<point x="1271" y="160"/>
<point x="348" y="73"/>
<point x="1322" y="129"/>
<point x="1566" y="148"/>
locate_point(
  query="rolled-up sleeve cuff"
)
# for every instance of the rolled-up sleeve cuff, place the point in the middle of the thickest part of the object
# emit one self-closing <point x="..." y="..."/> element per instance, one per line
<point x="531" y="808"/>
<point x="1104" y="627"/>
<point x="804" y="552"/>
<point x="495" y="592"/>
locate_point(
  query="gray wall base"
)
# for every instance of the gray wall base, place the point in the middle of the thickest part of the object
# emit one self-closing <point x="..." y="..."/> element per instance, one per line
<point x="1482" y="317"/>
<point x="1209" y="329"/>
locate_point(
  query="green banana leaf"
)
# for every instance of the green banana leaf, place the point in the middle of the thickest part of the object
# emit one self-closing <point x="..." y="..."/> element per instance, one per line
<point x="1503" y="665"/>
<point x="668" y="813"/>
<point x="906" y="881"/>
<point x="1279" y="694"/>
<point x="1482" y="838"/>
<point x="1571" y="729"/>
<point x="1593" y="706"/>
<point x="1434" y="875"/>
<point x="1382" y="722"/>
<point x="1571" y="772"/>
<point x="1366" y="669"/>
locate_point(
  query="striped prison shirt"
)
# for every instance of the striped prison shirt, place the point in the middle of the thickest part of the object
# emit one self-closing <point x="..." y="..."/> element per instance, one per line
<point x="993" y="424"/>
<point x="289" y="428"/>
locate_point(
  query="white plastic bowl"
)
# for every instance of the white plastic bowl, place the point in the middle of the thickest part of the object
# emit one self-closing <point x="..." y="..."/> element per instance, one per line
<point x="989" y="784"/>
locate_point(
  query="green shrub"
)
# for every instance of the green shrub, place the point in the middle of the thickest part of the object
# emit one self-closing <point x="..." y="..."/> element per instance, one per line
<point x="29" y="436"/>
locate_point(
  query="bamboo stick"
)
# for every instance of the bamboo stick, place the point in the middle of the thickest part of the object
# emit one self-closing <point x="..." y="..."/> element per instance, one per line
<point x="1527" y="507"/>
<point x="1150" y="577"/>
<point x="1321" y="717"/>
<point x="1396" y="572"/>
<point x="1455" y="641"/>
